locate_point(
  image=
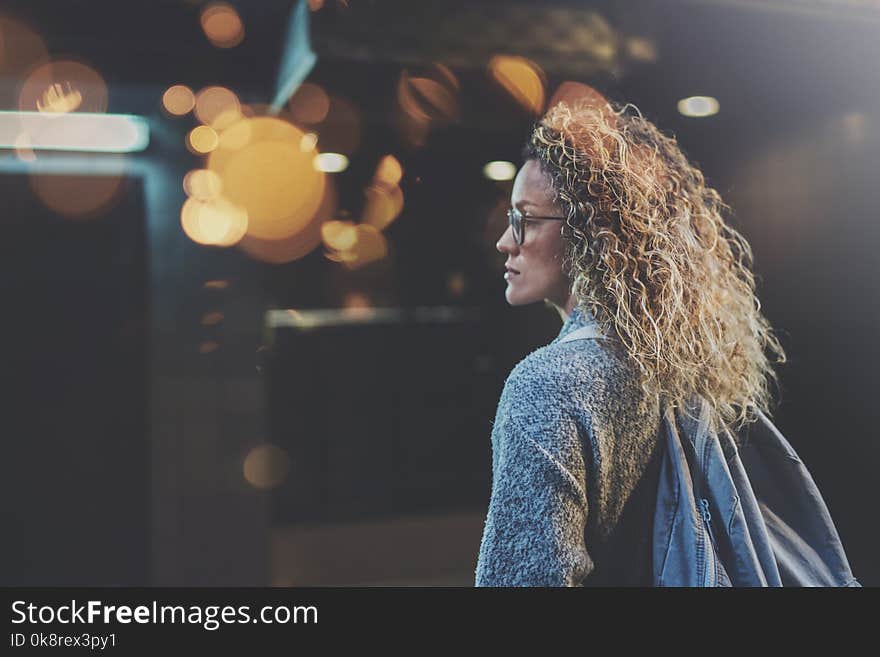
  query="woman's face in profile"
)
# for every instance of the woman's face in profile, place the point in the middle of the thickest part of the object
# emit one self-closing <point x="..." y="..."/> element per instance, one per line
<point x="534" y="268"/>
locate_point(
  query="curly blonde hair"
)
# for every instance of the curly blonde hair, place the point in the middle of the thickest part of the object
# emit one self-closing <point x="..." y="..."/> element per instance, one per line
<point x="650" y="254"/>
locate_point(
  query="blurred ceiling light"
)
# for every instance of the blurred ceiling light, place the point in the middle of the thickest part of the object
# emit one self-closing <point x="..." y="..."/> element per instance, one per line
<point x="52" y="82"/>
<point x="216" y="284"/>
<point x="698" y="106"/>
<point x="217" y="107"/>
<point x="266" y="466"/>
<point x="222" y="25"/>
<point x="202" y="139"/>
<point x="178" y="100"/>
<point x="59" y="98"/>
<point x="331" y="162"/>
<point x="202" y="184"/>
<point x="500" y="170"/>
<point x="77" y="131"/>
<point x="521" y="78"/>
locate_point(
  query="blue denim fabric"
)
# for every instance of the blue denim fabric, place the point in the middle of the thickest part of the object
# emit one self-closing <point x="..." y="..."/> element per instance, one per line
<point x="740" y="516"/>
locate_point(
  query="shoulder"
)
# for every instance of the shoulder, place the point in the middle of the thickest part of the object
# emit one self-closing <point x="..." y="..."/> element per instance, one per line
<point x="568" y="374"/>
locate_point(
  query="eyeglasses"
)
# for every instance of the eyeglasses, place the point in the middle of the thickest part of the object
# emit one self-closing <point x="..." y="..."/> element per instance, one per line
<point x="518" y="223"/>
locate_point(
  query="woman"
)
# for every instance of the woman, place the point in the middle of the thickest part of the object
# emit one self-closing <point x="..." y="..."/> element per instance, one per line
<point x="612" y="226"/>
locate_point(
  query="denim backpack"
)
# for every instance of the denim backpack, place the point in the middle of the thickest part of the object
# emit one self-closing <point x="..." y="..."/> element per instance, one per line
<point x="740" y="512"/>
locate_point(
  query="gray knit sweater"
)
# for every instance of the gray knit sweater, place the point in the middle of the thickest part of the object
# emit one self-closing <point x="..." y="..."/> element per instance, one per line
<point x="575" y="467"/>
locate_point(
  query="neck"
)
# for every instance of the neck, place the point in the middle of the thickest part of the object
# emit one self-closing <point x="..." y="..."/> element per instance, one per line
<point x="564" y="309"/>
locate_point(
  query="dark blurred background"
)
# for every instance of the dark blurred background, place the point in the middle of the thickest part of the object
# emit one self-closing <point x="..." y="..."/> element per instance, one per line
<point x="191" y="405"/>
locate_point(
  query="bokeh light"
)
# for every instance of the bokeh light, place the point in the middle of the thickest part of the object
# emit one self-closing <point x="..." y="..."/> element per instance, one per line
<point x="522" y="79"/>
<point x="300" y="244"/>
<point x="266" y="466"/>
<point x="500" y="170"/>
<point x="340" y="131"/>
<point x="213" y="223"/>
<point x="369" y="247"/>
<point x="222" y="25"/>
<point x="456" y="284"/>
<point x="571" y="91"/>
<point x="212" y="318"/>
<point x="698" y="106"/>
<point x="388" y="172"/>
<point x="217" y="107"/>
<point x="309" y="104"/>
<point x="208" y="347"/>
<point x="23" y="150"/>
<point x="59" y="84"/>
<point x="77" y="196"/>
<point x="178" y="100"/>
<point x="268" y="175"/>
<point x="20" y="50"/>
<point x="382" y="205"/>
<point x="426" y="99"/>
<point x="202" y="184"/>
<point x="59" y="99"/>
<point x="202" y="139"/>
<point x="308" y="142"/>
<point x="331" y="162"/>
<point x="339" y="235"/>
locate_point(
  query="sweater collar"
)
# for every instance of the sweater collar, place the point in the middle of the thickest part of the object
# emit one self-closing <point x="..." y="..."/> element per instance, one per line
<point x="580" y="316"/>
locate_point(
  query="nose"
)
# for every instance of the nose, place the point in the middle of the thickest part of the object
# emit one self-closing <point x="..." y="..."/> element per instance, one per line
<point x="507" y="244"/>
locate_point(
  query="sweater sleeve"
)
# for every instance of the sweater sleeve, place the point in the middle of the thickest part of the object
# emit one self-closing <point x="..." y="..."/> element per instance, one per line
<point x="534" y="529"/>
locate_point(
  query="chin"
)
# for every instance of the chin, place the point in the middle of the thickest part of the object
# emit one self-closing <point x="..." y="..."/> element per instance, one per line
<point x="515" y="298"/>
